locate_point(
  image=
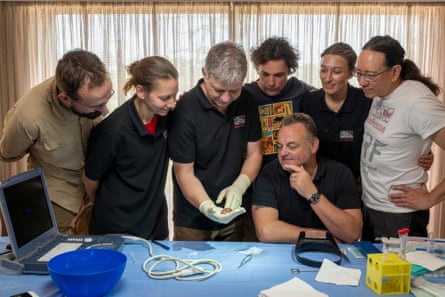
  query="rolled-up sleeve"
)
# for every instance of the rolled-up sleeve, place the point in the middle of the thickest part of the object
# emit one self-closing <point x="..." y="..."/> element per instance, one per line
<point x="18" y="136"/>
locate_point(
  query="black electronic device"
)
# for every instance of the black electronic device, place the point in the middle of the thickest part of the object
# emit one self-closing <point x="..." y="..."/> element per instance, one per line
<point x="307" y="246"/>
<point x="32" y="227"/>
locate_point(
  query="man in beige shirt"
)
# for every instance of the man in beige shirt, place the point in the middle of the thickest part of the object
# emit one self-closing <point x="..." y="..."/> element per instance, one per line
<point x="52" y="123"/>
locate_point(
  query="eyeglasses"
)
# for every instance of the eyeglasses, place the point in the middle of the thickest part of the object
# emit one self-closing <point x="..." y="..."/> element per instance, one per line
<point x="77" y="100"/>
<point x="370" y="76"/>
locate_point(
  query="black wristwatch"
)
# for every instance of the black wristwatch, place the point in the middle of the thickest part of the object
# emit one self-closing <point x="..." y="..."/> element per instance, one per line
<point x="314" y="198"/>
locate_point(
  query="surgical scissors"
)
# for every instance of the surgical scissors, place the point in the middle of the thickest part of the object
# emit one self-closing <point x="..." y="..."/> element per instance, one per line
<point x="297" y="270"/>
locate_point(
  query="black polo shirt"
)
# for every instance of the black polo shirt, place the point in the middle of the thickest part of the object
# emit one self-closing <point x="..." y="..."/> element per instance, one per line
<point x="272" y="109"/>
<point x="341" y="133"/>
<point x="333" y="179"/>
<point x="131" y="165"/>
<point x="216" y="143"/>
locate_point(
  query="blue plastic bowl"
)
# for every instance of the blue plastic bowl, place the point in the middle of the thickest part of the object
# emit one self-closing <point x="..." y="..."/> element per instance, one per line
<point x="87" y="272"/>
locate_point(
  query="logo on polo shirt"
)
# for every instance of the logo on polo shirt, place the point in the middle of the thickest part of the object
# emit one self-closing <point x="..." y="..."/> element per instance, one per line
<point x="239" y="121"/>
<point x="347" y="136"/>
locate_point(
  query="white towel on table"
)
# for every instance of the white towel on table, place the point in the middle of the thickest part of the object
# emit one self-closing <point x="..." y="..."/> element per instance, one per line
<point x="292" y="288"/>
<point x="334" y="274"/>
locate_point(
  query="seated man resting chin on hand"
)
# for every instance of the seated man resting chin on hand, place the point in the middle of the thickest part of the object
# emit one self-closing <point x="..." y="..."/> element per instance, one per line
<point x="298" y="192"/>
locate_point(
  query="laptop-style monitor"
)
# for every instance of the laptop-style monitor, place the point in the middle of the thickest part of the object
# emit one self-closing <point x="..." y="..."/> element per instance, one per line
<point x="32" y="227"/>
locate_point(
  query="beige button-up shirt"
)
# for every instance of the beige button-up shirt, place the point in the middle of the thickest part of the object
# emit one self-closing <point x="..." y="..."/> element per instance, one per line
<point x="55" y="139"/>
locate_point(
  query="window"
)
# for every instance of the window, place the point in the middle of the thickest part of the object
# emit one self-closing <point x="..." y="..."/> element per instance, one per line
<point x="38" y="33"/>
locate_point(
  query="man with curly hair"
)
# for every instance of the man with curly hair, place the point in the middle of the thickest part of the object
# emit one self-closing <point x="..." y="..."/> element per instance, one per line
<point x="276" y="92"/>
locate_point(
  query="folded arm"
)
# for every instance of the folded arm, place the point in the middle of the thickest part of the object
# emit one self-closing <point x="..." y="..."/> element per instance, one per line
<point x="269" y="228"/>
<point x="16" y="139"/>
<point x="344" y="224"/>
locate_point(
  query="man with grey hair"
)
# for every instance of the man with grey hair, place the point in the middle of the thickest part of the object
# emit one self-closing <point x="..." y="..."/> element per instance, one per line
<point x="214" y="142"/>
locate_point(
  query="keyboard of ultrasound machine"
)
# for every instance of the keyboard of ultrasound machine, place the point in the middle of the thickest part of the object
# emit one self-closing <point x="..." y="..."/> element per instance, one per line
<point x="73" y="242"/>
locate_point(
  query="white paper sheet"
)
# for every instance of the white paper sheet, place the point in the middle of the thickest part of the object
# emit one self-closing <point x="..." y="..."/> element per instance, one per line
<point x="334" y="274"/>
<point x="425" y="259"/>
<point x="292" y="288"/>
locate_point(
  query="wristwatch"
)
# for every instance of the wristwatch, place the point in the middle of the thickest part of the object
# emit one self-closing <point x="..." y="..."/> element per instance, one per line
<point x="314" y="198"/>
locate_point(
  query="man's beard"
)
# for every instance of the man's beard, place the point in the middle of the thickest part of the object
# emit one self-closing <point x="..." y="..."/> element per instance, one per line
<point x="89" y="115"/>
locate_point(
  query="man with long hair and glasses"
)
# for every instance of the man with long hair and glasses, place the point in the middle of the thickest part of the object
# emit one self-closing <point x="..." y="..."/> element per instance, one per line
<point x="405" y="118"/>
<point x="52" y="123"/>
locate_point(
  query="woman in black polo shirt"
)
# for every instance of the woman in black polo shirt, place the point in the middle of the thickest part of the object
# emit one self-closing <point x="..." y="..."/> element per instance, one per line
<point x="126" y="164"/>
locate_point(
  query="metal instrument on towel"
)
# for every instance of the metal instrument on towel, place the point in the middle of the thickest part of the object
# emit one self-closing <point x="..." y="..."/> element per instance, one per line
<point x="245" y="260"/>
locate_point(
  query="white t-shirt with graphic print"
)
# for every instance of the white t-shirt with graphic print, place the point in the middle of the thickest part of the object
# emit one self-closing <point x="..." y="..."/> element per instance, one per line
<point x="397" y="132"/>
